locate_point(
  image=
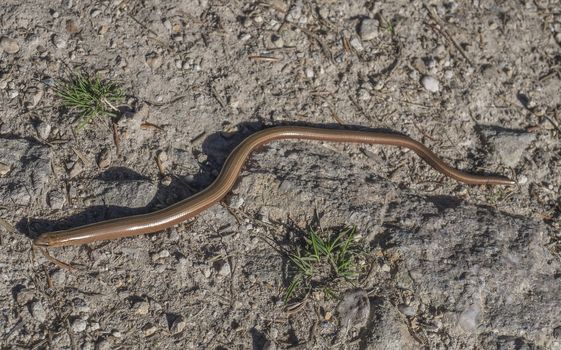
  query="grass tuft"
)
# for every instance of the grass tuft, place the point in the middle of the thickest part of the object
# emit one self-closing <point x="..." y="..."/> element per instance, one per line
<point x="90" y="96"/>
<point x="324" y="262"/>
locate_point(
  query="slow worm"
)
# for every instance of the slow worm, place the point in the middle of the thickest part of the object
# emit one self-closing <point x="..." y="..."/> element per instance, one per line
<point x="188" y="208"/>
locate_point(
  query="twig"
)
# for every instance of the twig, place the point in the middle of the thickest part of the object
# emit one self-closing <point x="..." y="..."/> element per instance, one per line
<point x="441" y="29"/>
<point x="264" y="58"/>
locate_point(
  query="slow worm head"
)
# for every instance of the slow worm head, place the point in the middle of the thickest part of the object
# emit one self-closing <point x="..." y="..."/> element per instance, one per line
<point x="188" y="208"/>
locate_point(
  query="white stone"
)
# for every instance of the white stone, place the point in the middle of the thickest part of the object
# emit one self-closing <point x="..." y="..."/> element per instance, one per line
<point x="430" y="83"/>
<point x="368" y="29"/>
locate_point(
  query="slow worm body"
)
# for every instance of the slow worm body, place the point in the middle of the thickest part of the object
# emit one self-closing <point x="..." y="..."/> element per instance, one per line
<point x="188" y="208"/>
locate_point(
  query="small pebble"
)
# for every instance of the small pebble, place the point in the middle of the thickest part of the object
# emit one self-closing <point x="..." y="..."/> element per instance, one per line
<point x="58" y="277"/>
<point x="4" y="169"/>
<point x="277" y="41"/>
<point x="178" y="325"/>
<point x="37" y="311"/>
<point x="75" y="170"/>
<point x="24" y="296"/>
<point x="80" y="305"/>
<point x="59" y="42"/>
<point x="79" y="325"/>
<point x="95" y="13"/>
<point x="407" y="310"/>
<point x="94" y="326"/>
<point x="13" y="94"/>
<point x="72" y="26"/>
<point x="34" y="96"/>
<point x="104" y="158"/>
<point x="141" y="307"/>
<point x="245" y="37"/>
<point x="161" y="255"/>
<point x="56" y="199"/>
<point x="153" y="60"/>
<point x="309" y="73"/>
<point x="356" y="44"/>
<point x="166" y="180"/>
<point x="103" y="344"/>
<point x="295" y="12"/>
<point x="9" y="45"/>
<point x="430" y="83"/>
<point x="43" y="130"/>
<point x="368" y="29"/>
<point x="223" y="268"/>
<point x="149" y="329"/>
<point x="88" y="346"/>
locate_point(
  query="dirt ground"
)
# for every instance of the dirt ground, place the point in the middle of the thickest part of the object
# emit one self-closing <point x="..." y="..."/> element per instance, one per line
<point x="450" y="266"/>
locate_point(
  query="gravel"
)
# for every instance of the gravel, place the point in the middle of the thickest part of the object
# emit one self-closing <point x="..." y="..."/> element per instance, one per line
<point x="430" y="83"/>
<point x="369" y="29"/>
<point x="9" y="45"/>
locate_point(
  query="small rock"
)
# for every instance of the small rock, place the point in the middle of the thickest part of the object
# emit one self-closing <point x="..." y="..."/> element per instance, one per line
<point x="277" y="41"/>
<point x="223" y="268"/>
<point x="245" y="37"/>
<point x="356" y="44"/>
<point x="430" y="83"/>
<point x="235" y="201"/>
<point x="34" y="95"/>
<point x="59" y="42"/>
<point x="178" y="325"/>
<point x="368" y="29"/>
<point x="309" y="73"/>
<point x="72" y="26"/>
<point x="295" y="12"/>
<point x="149" y="329"/>
<point x="4" y="169"/>
<point x="94" y="326"/>
<point x="103" y="344"/>
<point x="9" y="45"/>
<point x="37" y="311"/>
<point x="43" y="130"/>
<point x="80" y="305"/>
<point x="75" y="170"/>
<point x="13" y="93"/>
<point x="88" y="346"/>
<point x="166" y="180"/>
<point x="104" y="159"/>
<point x="56" y="199"/>
<point x="79" y="325"/>
<point x="508" y="145"/>
<point x="153" y="60"/>
<point x="117" y="334"/>
<point x="141" y="307"/>
<point x="407" y="310"/>
<point x="58" y="277"/>
<point x="24" y="296"/>
<point x="354" y="309"/>
<point x="95" y="13"/>
<point x="161" y="255"/>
